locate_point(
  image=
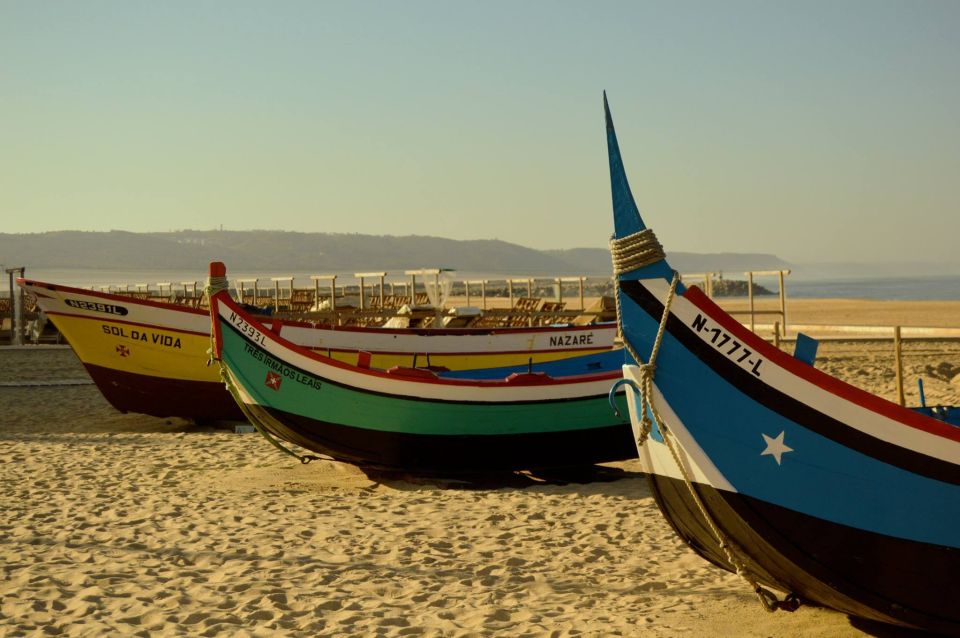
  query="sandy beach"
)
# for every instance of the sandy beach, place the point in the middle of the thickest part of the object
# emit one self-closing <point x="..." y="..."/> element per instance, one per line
<point x="130" y="525"/>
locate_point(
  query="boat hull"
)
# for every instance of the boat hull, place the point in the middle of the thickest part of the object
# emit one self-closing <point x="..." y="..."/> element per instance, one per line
<point x="152" y="357"/>
<point x="857" y="523"/>
<point x="801" y="554"/>
<point x="766" y="464"/>
<point x="165" y="396"/>
<point x="379" y="419"/>
<point x="459" y="453"/>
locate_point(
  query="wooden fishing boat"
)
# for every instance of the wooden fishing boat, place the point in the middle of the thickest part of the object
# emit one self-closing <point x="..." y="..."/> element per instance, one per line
<point x="151" y="357"/>
<point x="408" y="418"/>
<point x="770" y="468"/>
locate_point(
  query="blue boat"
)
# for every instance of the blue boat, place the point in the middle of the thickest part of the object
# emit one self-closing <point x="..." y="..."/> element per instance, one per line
<point x="772" y="469"/>
<point x="606" y="361"/>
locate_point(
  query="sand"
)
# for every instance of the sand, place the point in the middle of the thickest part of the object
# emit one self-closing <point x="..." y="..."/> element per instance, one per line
<point x="855" y="312"/>
<point x="130" y="525"/>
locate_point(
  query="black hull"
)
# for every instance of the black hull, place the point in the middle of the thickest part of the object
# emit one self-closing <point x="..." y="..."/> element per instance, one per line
<point x="449" y="454"/>
<point x="856" y="572"/>
<point x="160" y="397"/>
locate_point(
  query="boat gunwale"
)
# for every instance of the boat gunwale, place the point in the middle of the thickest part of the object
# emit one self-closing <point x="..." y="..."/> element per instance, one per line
<point x="284" y="321"/>
<point x="829" y="383"/>
<point x="316" y="357"/>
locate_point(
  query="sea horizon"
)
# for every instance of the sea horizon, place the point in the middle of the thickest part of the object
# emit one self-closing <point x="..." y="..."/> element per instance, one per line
<point x="914" y="288"/>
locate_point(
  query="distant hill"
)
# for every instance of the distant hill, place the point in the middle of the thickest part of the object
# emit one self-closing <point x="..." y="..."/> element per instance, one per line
<point x="323" y="252"/>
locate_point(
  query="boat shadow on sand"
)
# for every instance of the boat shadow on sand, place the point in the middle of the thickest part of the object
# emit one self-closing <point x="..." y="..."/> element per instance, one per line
<point x="571" y="476"/>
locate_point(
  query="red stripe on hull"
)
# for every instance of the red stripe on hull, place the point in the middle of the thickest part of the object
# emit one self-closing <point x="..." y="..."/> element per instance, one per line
<point x="161" y="397"/>
<point x="817" y="377"/>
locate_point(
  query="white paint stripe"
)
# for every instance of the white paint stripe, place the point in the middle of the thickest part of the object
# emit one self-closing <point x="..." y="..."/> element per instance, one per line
<point x="440" y="391"/>
<point x="656" y="456"/>
<point x="244" y="396"/>
<point x="172" y="317"/>
<point x="166" y="317"/>
<point x="852" y="414"/>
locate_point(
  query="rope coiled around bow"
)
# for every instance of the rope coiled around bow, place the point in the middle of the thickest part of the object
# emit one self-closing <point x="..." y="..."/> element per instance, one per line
<point x="630" y="253"/>
<point x="635" y="251"/>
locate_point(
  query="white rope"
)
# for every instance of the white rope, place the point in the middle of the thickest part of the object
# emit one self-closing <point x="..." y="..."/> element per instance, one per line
<point x="730" y="549"/>
<point x="214" y="285"/>
<point x="630" y="253"/>
<point x="648" y="370"/>
<point x="635" y="251"/>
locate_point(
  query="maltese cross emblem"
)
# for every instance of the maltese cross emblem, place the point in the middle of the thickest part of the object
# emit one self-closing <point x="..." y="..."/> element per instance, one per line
<point x="273" y="380"/>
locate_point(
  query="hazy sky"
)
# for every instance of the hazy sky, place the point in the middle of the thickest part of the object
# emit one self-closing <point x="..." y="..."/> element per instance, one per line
<point x="812" y="130"/>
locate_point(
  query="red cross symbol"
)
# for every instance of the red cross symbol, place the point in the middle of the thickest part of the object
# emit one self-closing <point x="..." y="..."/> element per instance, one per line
<point x="123" y="351"/>
<point x="273" y="380"/>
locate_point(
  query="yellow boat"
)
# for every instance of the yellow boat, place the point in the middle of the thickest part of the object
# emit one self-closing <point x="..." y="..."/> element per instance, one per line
<point x="150" y="357"/>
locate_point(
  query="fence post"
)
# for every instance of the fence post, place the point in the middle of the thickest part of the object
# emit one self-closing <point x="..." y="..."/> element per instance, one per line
<point x="783" y="303"/>
<point x="898" y="357"/>
<point x="16" y="306"/>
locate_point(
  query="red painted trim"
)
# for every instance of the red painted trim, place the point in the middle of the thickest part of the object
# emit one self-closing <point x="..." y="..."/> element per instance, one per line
<point x="817" y="377"/>
<point x="527" y="378"/>
<point x="411" y="373"/>
<point x="547" y="330"/>
<point x="223" y="298"/>
<point x="215" y="324"/>
<point x="363" y="359"/>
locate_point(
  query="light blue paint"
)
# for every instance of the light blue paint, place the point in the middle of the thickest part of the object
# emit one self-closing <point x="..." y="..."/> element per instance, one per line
<point x="820" y="477"/>
<point x="805" y="349"/>
<point x="585" y="364"/>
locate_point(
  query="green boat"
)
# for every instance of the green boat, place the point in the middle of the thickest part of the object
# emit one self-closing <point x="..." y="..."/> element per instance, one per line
<point x="409" y="418"/>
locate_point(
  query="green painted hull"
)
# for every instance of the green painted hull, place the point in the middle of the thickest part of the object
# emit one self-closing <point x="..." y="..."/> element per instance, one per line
<point x="375" y="419"/>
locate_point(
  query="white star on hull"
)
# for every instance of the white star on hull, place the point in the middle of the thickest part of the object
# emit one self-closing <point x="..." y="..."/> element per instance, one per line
<point x="776" y="447"/>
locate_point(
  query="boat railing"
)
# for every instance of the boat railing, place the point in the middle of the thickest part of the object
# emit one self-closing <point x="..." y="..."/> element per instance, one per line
<point x="428" y="316"/>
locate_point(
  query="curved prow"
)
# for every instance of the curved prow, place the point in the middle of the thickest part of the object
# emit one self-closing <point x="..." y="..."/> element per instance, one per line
<point x="626" y="217"/>
<point x="217" y="285"/>
<point x="216" y="278"/>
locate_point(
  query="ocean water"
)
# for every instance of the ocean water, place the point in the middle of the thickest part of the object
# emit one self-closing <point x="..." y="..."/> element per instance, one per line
<point x="906" y="288"/>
